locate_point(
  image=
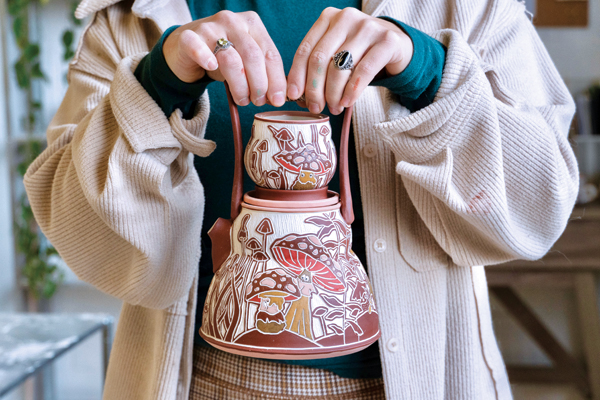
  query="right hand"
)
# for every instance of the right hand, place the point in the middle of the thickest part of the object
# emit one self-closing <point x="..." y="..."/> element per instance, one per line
<point x="253" y="68"/>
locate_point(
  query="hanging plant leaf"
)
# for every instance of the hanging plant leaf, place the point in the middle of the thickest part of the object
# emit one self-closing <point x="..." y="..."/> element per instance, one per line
<point x="22" y="76"/>
<point x="36" y="72"/>
<point x="67" y="38"/>
<point x="20" y="30"/>
<point x="42" y="277"/>
<point x="31" y="51"/>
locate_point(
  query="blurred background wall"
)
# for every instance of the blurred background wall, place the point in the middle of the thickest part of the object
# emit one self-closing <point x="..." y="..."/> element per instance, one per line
<point x="77" y="375"/>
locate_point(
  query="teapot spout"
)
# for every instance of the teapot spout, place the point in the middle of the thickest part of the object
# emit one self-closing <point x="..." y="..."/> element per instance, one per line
<point x="220" y="236"/>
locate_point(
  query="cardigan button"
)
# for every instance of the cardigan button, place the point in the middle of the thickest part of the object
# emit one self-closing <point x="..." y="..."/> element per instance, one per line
<point x="392" y="345"/>
<point x="380" y="245"/>
<point x="370" y="150"/>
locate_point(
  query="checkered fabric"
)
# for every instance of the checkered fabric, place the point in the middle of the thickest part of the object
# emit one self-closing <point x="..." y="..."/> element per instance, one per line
<point x="220" y="375"/>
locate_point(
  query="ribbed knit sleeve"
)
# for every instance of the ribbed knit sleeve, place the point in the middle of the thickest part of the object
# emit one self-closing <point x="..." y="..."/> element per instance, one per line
<point x="488" y="165"/>
<point x="116" y="191"/>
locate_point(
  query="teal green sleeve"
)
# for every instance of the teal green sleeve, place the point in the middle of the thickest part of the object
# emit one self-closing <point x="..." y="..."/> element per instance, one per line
<point x="169" y="92"/>
<point x="418" y="84"/>
<point x="415" y="87"/>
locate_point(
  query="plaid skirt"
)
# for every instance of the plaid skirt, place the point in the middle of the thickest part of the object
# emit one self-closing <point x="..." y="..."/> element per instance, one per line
<point x="220" y="375"/>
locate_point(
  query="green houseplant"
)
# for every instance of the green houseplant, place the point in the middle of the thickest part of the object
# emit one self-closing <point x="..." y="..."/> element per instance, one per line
<point x="41" y="276"/>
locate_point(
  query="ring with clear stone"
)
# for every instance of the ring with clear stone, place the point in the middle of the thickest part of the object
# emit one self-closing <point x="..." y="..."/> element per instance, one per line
<point x="222" y="44"/>
<point x="343" y="60"/>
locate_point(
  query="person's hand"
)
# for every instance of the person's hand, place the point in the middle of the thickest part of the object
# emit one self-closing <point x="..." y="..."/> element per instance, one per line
<point x="377" y="46"/>
<point x="252" y="67"/>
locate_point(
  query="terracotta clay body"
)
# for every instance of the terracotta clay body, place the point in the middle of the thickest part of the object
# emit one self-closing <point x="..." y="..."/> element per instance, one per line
<point x="295" y="287"/>
<point x="287" y="284"/>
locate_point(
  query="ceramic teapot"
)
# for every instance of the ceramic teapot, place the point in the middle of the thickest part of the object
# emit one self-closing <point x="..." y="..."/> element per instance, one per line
<point x="290" y="150"/>
<point x="287" y="284"/>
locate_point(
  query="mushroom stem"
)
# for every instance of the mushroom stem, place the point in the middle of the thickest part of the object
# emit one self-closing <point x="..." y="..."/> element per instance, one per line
<point x="314" y="136"/>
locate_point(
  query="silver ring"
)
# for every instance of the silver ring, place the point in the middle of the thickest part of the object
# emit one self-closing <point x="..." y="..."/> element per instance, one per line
<point x="222" y="44"/>
<point x="343" y="60"/>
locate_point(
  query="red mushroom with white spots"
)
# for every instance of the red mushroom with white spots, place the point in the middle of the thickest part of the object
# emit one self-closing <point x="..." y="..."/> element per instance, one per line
<point x="299" y="252"/>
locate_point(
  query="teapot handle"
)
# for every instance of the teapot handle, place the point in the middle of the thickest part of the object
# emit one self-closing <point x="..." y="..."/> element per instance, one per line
<point x="220" y="233"/>
<point x="237" y="190"/>
<point x="345" y="192"/>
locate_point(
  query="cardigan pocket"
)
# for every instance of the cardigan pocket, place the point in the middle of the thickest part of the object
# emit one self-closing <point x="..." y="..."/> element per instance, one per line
<point x="417" y="245"/>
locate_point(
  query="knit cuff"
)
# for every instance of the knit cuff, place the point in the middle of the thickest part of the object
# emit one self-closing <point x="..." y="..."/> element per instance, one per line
<point x="422" y="135"/>
<point x="418" y="84"/>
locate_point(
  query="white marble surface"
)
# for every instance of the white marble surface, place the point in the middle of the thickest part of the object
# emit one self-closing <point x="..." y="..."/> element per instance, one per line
<point x="29" y="341"/>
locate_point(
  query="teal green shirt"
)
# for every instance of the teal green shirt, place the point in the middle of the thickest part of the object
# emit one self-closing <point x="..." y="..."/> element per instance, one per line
<point x="287" y="22"/>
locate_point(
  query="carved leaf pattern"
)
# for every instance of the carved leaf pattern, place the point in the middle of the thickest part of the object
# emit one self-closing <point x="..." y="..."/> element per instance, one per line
<point x="335" y="328"/>
<point x="331" y="301"/>
<point x="353" y="309"/>
<point x="319" y="311"/>
<point x="334" y="314"/>
<point x="355" y="327"/>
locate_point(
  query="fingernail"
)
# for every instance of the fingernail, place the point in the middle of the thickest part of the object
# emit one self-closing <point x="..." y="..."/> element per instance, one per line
<point x="344" y="102"/>
<point x="260" y="100"/>
<point x="293" y="92"/>
<point x="314" y="108"/>
<point x="244" y="102"/>
<point x="334" y="111"/>
<point x="212" y="65"/>
<point x="278" y="99"/>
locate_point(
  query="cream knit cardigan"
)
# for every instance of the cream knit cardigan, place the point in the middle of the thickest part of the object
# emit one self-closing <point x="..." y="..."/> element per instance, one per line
<point x="483" y="175"/>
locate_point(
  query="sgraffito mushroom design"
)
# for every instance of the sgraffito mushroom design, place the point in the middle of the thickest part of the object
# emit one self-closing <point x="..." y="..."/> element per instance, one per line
<point x="258" y="148"/>
<point x="306" y="257"/>
<point x="298" y="317"/>
<point x="306" y="157"/>
<point x="305" y="160"/>
<point x="265" y="228"/>
<point x="243" y="233"/>
<point x="306" y="180"/>
<point x="283" y="137"/>
<point x="299" y="252"/>
<point x="270" y="290"/>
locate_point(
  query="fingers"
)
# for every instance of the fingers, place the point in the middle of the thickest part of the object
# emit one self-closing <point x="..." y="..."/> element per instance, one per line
<point x="261" y="63"/>
<point x="318" y="73"/>
<point x="252" y="67"/>
<point x="272" y="59"/>
<point x="232" y="68"/>
<point x="312" y="70"/>
<point x="368" y="67"/>
<point x="197" y="50"/>
<point x="337" y="80"/>
<point x="376" y="45"/>
<point x="187" y="55"/>
<point x="297" y="76"/>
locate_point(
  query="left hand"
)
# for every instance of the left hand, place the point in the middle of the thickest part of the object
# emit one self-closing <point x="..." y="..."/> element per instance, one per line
<point x="377" y="46"/>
